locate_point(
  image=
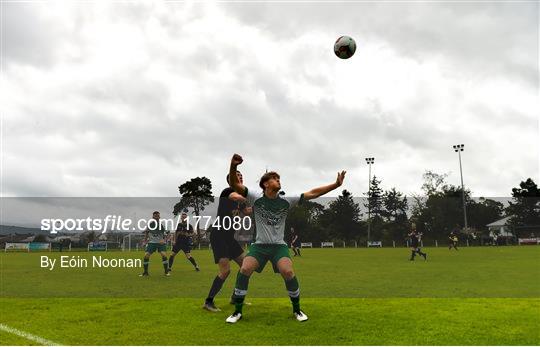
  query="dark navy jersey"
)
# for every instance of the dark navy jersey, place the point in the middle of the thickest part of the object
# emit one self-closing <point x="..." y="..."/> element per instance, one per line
<point x="184" y="227"/>
<point x="226" y="208"/>
<point x="414" y="240"/>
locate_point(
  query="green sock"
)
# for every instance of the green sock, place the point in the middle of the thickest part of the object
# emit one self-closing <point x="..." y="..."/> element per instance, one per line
<point x="240" y="290"/>
<point x="293" y="288"/>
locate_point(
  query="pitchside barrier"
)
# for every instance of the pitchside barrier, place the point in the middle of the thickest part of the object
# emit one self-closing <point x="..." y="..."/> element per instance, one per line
<point x="400" y="243"/>
<point x="16" y="246"/>
<point x="27" y="246"/>
<point x="529" y="241"/>
<point x="39" y="246"/>
<point x="97" y="246"/>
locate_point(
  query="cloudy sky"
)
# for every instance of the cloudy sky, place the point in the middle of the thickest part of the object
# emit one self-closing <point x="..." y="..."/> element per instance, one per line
<point x="132" y="99"/>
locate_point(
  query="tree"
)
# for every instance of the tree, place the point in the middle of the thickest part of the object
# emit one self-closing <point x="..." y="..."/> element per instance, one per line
<point x="395" y="213"/>
<point x="525" y="207"/>
<point x="342" y="218"/>
<point x="483" y="212"/>
<point x="40" y="238"/>
<point x="375" y="199"/>
<point x="304" y="218"/>
<point x="395" y="205"/>
<point x="442" y="209"/>
<point x="433" y="182"/>
<point x="89" y="236"/>
<point x="195" y="194"/>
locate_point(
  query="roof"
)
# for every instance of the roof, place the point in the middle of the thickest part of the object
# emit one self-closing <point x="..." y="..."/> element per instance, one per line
<point x="499" y="223"/>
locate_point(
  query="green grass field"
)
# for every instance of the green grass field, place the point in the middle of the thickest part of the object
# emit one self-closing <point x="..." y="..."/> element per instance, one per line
<point x="477" y="296"/>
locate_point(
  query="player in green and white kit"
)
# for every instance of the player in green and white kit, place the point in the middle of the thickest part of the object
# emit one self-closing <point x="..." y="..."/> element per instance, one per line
<point x="155" y="238"/>
<point x="269" y="214"/>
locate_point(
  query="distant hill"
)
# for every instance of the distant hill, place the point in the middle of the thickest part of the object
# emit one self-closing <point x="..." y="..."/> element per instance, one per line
<point x="10" y="229"/>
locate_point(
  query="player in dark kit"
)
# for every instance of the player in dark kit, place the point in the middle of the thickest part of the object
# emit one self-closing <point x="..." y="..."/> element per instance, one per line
<point x="415" y="243"/>
<point x="295" y="243"/>
<point x="155" y="236"/>
<point x="224" y="245"/>
<point x="452" y="241"/>
<point x="183" y="242"/>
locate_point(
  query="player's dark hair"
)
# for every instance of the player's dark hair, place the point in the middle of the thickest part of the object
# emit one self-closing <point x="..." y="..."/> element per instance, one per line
<point x="153" y="213"/>
<point x="237" y="171"/>
<point x="267" y="176"/>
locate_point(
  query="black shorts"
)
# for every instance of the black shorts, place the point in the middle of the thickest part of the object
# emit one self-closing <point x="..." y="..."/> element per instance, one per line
<point x="296" y="245"/>
<point x="182" y="245"/>
<point x="224" y="246"/>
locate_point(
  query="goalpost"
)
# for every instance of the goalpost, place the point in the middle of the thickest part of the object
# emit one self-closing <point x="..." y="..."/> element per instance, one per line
<point x="131" y="242"/>
<point x="126" y="243"/>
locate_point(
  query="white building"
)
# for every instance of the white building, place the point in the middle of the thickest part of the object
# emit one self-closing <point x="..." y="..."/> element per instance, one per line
<point x="500" y="228"/>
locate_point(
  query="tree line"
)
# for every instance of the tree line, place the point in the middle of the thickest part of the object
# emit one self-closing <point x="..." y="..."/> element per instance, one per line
<point x="436" y="212"/>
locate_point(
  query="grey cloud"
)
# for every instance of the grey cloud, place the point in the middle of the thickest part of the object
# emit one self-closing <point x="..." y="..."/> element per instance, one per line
<point x="484" y="38"/>
<point x="131" y="133"/>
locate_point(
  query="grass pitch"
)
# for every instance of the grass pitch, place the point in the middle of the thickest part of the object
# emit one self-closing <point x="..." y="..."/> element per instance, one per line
<point x="475" y="296"/>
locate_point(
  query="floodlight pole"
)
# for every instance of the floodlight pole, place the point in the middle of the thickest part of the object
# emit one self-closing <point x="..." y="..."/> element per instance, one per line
<point x="459" y="149"/>
<point x="369" y="161"/>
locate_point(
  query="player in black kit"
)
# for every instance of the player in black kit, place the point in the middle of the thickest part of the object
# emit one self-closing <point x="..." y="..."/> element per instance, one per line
<point x="183" y="242"/>
<point x="415" y="243"/>
<point x="295" y="243"/>
<point x="224" y="245"/>
<point x="453" y="241"/>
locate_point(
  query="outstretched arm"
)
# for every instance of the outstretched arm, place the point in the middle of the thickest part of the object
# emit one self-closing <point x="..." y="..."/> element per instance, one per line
<point x="316" y="192"/>
<point x="233" y="179"/>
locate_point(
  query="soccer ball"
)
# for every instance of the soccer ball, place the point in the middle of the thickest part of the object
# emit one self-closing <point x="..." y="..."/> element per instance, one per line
<point x="344" y="47"/>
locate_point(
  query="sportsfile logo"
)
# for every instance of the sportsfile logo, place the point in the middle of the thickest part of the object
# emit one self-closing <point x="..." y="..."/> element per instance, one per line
<point x="109" y="223"/>
<point x="119" y="223"/>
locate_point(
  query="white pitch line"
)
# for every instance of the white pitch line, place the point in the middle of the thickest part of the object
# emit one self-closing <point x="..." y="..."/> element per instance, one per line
<point x="28" y="336"/>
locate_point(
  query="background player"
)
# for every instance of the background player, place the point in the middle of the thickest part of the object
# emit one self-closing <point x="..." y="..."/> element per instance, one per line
<point x="224" y="245"/>
<point x="183" y="241"/>
<point x="452" y="241"/>
<point x="295" y="243"/>
<point x="269" y="214"/>
<point x="415" y="243"/>
<point x="155" y="238"/>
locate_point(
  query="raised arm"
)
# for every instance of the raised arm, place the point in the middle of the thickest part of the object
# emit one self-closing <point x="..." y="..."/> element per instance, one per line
<point x="316" y="192"/>
<point x="237" y="197"/>
<point x="233" y="179"/>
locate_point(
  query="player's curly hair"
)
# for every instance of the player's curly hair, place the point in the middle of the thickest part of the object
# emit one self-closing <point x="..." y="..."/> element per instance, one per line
<point x="266" y="177"/>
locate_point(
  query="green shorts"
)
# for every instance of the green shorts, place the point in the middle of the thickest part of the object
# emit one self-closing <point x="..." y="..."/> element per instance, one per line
<point x="268" y="252"/>
<point x="152" y="247"/>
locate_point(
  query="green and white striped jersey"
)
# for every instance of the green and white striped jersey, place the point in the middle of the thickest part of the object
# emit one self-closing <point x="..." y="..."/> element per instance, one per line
<point x="269" y="216"/>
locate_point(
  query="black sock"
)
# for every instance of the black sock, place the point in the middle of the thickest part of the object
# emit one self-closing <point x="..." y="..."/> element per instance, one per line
<point x="214" y="290"/>
<point x="145" y="263"/>
<point x="413" y="253"/>
<point x="192" y="260"/>
<point x="165" y="264"/>
<point x="171" y="260"/>
<point x="298" y="250"/>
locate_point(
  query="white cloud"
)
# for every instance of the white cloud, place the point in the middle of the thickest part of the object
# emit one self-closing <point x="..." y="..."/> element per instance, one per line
<point x="133" y="99"/>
